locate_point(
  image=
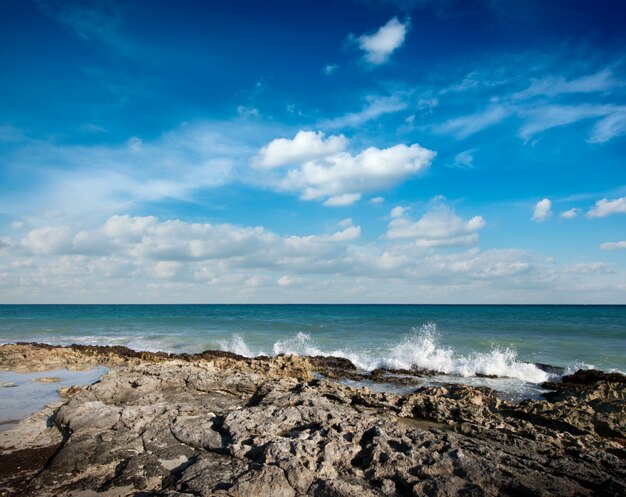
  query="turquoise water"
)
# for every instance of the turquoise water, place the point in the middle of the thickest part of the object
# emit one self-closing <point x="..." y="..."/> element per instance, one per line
<point x="458" y="340"/>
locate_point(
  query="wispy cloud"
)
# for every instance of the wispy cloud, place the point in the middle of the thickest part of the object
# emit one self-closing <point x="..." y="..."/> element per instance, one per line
<point x="329" y="69"/>
<point x="543" y="118"/>
<point x="612" y="126"/>
<point x="79" y="179"/>
<point x="92" y="21"/>
<point x="554" y="86"/>
<point x="543" y="105"/>
<point x="464" y="160"/>
<point x="375" y="107"/>
<point x="465" y="126"/>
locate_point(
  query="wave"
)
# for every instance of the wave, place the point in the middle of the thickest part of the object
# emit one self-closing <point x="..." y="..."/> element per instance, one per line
<point x="418" y="349"/>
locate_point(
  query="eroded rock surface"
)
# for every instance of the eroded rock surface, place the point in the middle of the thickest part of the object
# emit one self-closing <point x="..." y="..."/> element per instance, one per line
<point x="228" y="426"/>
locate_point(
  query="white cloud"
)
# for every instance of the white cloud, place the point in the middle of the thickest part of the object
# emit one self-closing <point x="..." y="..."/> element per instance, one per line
<point x="464" y="160"/>
<point x="440" y="227"/>
<point x="150" y="260"/>
<point x="379" y="46"/>
<point x="16" y="225"/>
<point x="589" y="268"/>
<point x="613" y="245"/>
<point x="553" y="86"/>
<point x="551" y="111"/>
<point x="611" y="126"/>
<point x="570" y="214"/>
<point x="244" y="111"/>
<point x="343" y="199"/>
<point x="341" y="178"/>
<point x="288" y="281"/>
<point x="606" y="207"/>
<point x="543" y="210"/>
<point x="545" y="117"/>
<point x="167" y="269"/>
<point x="48" y="240"/>
<point x="321" y="169"/>
<point x="397" y="211"/>
<point x="305" y="146"/>
<point x="329" y="69"/>
<point x="348" y="234"/>
<point x="145" y="237"/>
<point x="377" y="200"/>
<point x="346" y="223"/>
<point x="375" y="106"/>
<point x="102" y="179"/>
<point x="465" y="126"/>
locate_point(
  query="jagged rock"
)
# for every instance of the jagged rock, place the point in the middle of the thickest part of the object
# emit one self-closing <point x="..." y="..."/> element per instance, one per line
<point x="224" y="425"/>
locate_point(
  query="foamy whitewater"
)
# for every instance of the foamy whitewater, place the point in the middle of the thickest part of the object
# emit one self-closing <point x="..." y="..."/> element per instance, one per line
<point x="417" y="349"/>
<point x="465" y="343"/>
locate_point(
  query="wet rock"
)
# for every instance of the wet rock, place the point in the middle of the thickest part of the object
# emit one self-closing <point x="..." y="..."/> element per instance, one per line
<point x="46" y="379"/>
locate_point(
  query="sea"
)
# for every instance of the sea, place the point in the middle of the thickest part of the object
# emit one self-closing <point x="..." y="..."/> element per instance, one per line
<point x="464" y="342"/>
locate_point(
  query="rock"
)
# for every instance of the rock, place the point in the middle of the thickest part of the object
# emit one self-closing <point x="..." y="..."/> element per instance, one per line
<point x="225" y="425"/>
<point x="67" y="392"/>
<point x="46" y="379"/>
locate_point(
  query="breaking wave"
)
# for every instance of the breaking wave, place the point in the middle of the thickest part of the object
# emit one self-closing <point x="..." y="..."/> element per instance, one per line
<point x="417" y="349"/>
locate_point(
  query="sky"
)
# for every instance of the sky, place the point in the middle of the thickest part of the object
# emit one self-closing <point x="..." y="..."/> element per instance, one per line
<point x="453" y="151"/>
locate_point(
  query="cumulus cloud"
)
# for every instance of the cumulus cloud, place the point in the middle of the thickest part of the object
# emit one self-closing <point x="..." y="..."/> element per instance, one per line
<point x="606" y="207"/>
<point x="305" y="146"/>
<point x="146" y="237"/>
<point x="570" y="214"/>
<point x="372" y="169"/>
<point x="379" y="46"/>
<point x="440" y="227"/>
<point x="336" y="177"/>
<point x="150" y="260"/>
<point x="377" y="200"/>
<point x="613" y="245"/>
<point x="167" y="269"/>
<point x="543" y="210"/>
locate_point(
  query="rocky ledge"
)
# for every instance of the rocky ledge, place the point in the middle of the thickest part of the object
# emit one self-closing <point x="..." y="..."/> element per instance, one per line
<point x="222" y="425"/>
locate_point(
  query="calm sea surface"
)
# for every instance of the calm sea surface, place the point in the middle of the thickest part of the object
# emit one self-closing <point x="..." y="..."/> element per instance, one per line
<point x="458" y="340"/>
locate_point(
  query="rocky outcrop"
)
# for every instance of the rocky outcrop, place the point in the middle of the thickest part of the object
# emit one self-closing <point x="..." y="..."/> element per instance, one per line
<point x="230" y="426"/>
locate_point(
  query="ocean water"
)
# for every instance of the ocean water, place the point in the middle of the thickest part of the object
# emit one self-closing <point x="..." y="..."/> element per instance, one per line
<point x="461" y="341"/>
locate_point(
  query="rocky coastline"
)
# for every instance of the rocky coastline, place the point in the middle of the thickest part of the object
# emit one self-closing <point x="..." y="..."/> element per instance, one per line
<point x="218" y="424"/>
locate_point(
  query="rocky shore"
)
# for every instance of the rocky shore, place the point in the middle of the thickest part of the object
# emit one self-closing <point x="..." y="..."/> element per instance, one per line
<point x="224" y="425"/>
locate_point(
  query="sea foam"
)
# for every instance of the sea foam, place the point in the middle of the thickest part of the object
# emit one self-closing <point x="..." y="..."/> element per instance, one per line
<point x="421" y="348"/>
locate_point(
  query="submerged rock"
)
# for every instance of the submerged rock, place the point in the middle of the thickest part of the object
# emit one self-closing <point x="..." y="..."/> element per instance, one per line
<point x="224" y="425"/>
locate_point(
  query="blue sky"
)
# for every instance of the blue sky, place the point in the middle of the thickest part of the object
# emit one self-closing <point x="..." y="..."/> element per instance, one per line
<point x="299" y="151"/>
